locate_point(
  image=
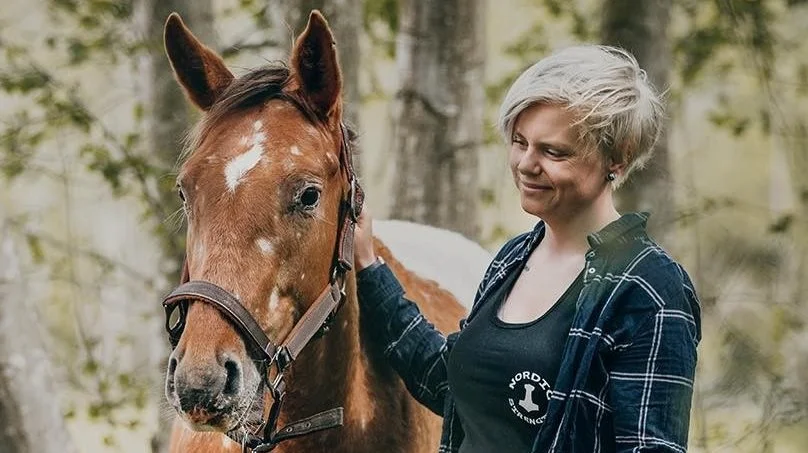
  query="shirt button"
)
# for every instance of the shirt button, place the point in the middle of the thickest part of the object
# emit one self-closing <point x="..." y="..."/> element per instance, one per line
<point x="590" y="255"/>
<point x="591" y="270"/>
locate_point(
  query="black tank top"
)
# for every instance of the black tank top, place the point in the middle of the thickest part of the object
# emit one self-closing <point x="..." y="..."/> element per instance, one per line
<point x="501" y="374"/>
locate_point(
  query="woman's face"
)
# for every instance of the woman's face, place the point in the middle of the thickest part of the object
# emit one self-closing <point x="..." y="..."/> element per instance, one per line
<point x="555" y="175"/>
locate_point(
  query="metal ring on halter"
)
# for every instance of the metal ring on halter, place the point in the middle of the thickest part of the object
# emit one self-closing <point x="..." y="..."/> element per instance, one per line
<point x="276" y="382"/>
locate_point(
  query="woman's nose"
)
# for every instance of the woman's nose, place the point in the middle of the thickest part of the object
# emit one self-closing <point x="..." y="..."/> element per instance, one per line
<point x="528" y="163"/>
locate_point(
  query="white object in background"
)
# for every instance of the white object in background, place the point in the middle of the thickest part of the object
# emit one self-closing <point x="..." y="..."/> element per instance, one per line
<point x="456" y="263"/>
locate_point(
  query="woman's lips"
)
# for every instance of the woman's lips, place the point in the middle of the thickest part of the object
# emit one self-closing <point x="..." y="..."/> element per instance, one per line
<point x="533" y="186"/>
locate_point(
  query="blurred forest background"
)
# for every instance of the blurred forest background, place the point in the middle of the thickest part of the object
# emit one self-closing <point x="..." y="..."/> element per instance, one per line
<point x="90" y="236"/>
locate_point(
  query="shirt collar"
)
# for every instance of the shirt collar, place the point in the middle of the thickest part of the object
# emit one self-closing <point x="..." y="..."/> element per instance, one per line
<point x="628" y="226"/>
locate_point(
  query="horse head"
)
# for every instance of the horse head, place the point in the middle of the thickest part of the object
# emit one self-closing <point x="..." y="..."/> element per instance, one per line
<point x="263" y="188"/>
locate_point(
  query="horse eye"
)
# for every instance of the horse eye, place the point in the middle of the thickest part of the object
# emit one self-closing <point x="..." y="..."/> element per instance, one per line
<point x="180" y="193"/>
<point x="310" y="197"/>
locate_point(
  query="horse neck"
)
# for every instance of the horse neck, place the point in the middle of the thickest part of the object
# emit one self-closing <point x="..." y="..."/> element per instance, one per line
<point x="347" y="367"/>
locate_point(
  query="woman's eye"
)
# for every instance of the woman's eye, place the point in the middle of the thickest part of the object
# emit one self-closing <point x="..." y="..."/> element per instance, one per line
<point x="309" y="197"/>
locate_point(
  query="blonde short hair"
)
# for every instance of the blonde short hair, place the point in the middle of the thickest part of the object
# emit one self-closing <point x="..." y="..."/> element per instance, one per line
<point x="621" y="114"/>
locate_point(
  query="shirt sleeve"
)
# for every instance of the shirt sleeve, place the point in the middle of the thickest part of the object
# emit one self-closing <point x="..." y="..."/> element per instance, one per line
<point x="416" y="350"/>
<point x="651" y="377"/>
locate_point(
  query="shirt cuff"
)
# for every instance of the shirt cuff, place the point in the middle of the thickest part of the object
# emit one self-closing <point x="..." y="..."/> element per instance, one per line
<point x="377" y="286"/>
<point x="375" y="265"/>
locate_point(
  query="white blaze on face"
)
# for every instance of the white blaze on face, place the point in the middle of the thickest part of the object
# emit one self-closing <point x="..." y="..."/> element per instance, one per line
<point x="265" y="245"/>
<point x="235" y="170"/>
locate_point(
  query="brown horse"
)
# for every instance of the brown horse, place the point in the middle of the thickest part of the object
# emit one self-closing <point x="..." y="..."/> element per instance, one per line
<point x="262" y="187"/>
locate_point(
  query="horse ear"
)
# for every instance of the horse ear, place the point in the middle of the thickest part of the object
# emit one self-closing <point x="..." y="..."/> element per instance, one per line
<point x="315" y="65"/>
<point x="200" y="71"/>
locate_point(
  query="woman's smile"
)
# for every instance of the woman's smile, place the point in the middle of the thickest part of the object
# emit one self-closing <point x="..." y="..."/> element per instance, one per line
<point x="532" y="187"/>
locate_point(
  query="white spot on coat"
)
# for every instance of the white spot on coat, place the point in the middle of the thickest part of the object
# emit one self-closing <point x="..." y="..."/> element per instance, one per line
<point x="265" y="245"/>
<point x="199" y="249"/>
<point x="241" y="164"/>
<point x="274" y="299"/>
<point x="295" y="151"/>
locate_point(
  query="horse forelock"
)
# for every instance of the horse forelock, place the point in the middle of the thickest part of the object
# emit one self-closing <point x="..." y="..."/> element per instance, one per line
<point x="256" y="87"/>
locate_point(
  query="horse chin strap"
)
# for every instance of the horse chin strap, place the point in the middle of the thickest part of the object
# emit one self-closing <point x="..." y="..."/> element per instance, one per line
<point x="314" y="323"/>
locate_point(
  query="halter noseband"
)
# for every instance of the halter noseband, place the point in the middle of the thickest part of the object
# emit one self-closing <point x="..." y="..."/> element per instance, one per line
<point x="315" y="321"/>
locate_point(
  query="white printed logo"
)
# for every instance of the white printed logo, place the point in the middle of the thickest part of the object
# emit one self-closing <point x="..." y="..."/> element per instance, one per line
<point x="530" y="394"/>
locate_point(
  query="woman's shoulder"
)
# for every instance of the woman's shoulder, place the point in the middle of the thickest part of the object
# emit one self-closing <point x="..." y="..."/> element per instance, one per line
<point x="652" y="260"/>
<point x="650" y="275"/>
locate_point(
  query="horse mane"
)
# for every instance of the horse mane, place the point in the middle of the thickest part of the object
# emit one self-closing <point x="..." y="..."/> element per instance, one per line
<point x="255" y="87"/>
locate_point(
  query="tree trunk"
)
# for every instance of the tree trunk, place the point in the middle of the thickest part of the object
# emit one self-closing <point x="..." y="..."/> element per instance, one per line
<point x="30" y="414"/>
<point x="289" y="18"/>
<point x="642" y="29"/>
<point x="169" y="117"/>
<point x="438" y="113"/>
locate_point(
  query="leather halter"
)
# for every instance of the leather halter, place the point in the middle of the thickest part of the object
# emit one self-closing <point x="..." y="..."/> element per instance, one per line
<point x="314" y="321"/>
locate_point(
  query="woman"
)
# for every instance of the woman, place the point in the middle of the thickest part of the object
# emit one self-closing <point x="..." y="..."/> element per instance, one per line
<point x="583" y="334"/>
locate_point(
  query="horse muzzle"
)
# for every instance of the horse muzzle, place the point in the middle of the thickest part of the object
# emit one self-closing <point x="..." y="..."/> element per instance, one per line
<point x="206" y="395"/>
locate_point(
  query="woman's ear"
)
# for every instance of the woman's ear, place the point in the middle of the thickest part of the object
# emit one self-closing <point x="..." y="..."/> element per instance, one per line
<point x="201" y="72"/>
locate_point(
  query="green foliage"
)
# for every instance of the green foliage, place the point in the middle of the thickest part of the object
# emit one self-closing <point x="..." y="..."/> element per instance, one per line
<point x="97" y="31"/>
<point x="35" y="248"/>
<point x="380" y="20"/>
<point x="720" y="27"/>
<point x="48" y="107"/>
<point x="580" y="25"/>
<point x="782" y="224"/>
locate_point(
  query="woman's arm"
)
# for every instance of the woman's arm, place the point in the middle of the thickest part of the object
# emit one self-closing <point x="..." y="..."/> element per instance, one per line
<point x="415" y="349"/>
<point x="651" y="377"/>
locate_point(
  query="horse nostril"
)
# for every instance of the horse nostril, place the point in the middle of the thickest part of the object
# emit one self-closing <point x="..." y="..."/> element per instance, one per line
<point x="231" y="385"/>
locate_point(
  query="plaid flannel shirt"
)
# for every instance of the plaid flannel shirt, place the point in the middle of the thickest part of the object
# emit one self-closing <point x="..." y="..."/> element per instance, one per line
<point x="626" y="377"/>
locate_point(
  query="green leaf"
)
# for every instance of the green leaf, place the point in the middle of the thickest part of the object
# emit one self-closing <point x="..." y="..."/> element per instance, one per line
<point x="782" y="224"/>
<point x="90" y="367"/>
<point x="24" y="81"/>
<point x="487" y="196"/>
<point x="78" y="51"/>
<point x="35" y="248"/>
<point x="138" y="111"/>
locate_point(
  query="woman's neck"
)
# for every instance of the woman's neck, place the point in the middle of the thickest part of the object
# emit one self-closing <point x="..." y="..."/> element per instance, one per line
<point x="567" y="235"/>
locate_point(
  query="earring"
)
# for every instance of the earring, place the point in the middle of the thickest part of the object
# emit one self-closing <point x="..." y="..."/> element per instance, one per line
<point x="611" y="176"/>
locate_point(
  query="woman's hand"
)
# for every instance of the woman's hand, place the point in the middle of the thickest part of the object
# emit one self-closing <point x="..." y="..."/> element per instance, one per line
<point x="364" y="255"/>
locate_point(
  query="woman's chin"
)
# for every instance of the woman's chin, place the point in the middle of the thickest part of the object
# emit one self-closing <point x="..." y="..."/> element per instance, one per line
<point x="534" y="208"/>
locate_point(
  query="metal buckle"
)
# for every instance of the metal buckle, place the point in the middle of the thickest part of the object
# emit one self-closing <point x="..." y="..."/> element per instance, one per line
<point x="282" y="359"/>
